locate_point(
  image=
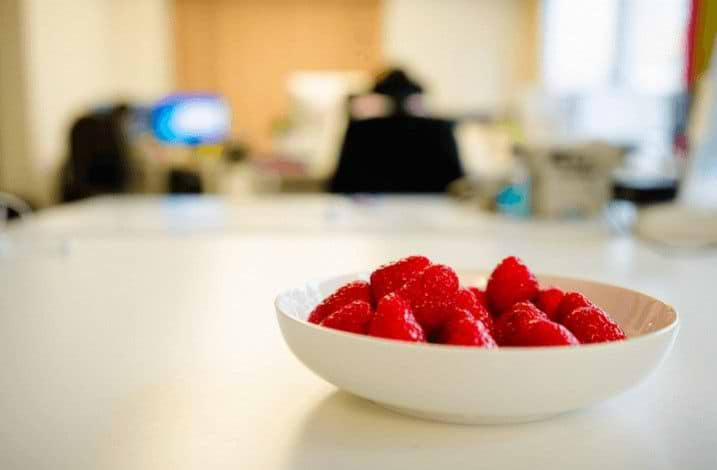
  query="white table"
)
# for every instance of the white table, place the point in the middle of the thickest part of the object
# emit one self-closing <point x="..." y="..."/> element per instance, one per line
<point x="140" y="334"/>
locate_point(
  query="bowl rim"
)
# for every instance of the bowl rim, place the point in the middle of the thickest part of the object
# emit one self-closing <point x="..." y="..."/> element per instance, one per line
<point x="450" y="348"/>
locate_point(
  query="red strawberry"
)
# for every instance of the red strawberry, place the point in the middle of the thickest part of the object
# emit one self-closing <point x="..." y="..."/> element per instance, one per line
<point x="437" y="281"/>
<point x="430" y="295"/>
<point x="592" y="325"/>
<point x="516" y="320"/>
<point x="465" y="299"/>
<point x="357" y="290"/>
<point x="354" y="317"/>
<point x="570" y="302"/>
<point x="392" y="276"/>
<point x="545" y="333"/>
<point x="463" y="329"/>
<point x="548" y="301"/>
<point x="394" y="320"/>
<point x="509" y="283"/>
<point x="480" y="296"/>
<point x="431" y="314"/>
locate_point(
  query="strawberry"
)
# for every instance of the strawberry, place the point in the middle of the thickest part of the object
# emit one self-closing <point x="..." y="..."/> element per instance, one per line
<point x="466" y="299"/>
<point x="516" y="320"/>
<point x="592" y="325"/>
<point x="480" y="296"/>
<point x="392" y="276"/>
<point x="431" y="314"/>
<point x="394" y="320"/>
<point x="570" y="302"/>
<point x="545" y="333"/>
<point x="548" y="301"/>
<point x="354" y="317"/>
<point x="463" y="329"/>
<point x="509" y="283"/>
<point x="357" y="290"/>
<point x="430" y="295"/>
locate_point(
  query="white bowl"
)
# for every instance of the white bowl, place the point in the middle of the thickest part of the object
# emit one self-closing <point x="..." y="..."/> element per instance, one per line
<point x="473" y="385"/>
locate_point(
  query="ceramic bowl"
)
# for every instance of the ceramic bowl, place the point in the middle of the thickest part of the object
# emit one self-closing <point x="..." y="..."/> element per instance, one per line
<point x="473" y="385"/>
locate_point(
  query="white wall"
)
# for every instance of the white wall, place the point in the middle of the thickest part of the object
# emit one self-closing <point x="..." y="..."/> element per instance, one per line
<point x="67" y="69"/>
<point x="140" y="40"/>
<point x="465" y="51"/>
<point x="80" y="53"/>
<point x="16" y="173"/>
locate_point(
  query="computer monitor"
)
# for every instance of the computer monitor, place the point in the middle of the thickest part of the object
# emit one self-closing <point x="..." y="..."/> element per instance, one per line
<point x="191" y="119"/>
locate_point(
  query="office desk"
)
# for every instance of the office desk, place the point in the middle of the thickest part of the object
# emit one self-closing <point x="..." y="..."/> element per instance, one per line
<point x="139" y="333"/>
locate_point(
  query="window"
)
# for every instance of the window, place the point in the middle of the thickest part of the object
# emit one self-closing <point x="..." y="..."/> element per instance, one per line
<point x="620" y="65"/>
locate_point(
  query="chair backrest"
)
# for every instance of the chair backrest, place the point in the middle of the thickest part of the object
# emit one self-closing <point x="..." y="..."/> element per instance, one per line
<point x="97" y="162"/>
<point x="398" y="154"/>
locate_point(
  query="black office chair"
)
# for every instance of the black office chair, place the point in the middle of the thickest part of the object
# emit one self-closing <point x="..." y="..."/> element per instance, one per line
<point x="97" y="162"/>
<point x="397" y="154"/>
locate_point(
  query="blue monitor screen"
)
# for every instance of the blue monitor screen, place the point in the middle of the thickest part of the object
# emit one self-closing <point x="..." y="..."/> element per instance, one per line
<point x="191" y="119"/>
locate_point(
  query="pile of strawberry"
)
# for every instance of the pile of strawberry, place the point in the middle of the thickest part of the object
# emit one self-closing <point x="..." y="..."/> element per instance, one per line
<point x="415" y="300"/>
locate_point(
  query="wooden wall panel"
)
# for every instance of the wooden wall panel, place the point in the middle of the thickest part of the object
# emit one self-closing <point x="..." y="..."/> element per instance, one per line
<point x="246" y="49"/>
<point x="529" y="40"/>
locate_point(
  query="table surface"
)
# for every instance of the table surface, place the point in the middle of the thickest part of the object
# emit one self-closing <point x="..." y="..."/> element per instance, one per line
<point x="139" y="333"/>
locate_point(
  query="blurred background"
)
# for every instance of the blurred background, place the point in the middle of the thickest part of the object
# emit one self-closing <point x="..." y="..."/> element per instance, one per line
<point x="527" y="107"/>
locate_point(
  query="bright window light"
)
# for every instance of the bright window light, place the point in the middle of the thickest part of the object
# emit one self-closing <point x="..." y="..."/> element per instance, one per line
<point x="579" y="44"/>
